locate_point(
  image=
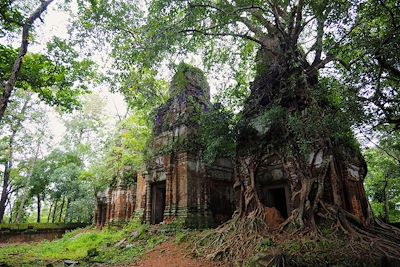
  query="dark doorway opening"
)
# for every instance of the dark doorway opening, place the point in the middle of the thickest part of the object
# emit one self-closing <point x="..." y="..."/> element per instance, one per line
<point x="275" y="197"/>
<point x="220" y="202"/>
<point x="157" y="202"/>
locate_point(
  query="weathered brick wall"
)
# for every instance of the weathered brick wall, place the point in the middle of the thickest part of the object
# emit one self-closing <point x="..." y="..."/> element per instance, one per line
<point x="115" y="205"/>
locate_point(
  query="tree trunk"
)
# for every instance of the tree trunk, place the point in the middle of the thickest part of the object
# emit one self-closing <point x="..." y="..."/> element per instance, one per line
<point x="38" y="208"/>
<point x="49" y="215"/>
<point x="9" y="87"/>
<point x="66" y="210"/>
<point x="21" y="207"/>
<point x="6" y="175"/>
<point x="54" y="212"/>
<point x="7" y="169"/>
<point x="26" y="193"/>
<point x="11" y="214"/>
<point x="61" y="209"/>
<point x="3" y="197"/>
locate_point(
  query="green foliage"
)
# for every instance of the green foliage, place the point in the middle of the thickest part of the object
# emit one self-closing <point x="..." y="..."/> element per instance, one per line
<point x="125" y="151"/>
<point x="371" y="62"/>
<point x="58" y="78"/>
<point x="271" y="118"/>
<point x="337" y="111"/>
<point x="307" y="130"/>
<point x="141" y="88"/>
<point x="217" y="134"/>
<point x="10" y="17"/>
<point x="58" y="175"/>
<point x="383" y="183"/>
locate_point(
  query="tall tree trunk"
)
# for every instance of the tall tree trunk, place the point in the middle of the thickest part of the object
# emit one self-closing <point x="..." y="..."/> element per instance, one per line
<point x="26" y="193"/>
<point x="54" y="211"/>
<point x="38" y="208"/>
<point x="66" y="210"/>
<point x="21" y="207"/>
<point x="11" y="214"/>
<point x="49" y="215"/>
<point x="3" y="198"/>
<point x="6" y="175"/>
<point x="9" y="87"/>
<point x="61" y="209"/>
<point x="7" y="168"/>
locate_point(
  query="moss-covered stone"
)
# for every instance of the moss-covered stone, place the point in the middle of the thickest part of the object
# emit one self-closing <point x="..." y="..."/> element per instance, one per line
<point x="189" y="78"/>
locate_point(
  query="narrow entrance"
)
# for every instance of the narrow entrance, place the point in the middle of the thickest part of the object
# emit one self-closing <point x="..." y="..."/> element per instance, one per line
<point x="157" y="202"/>
<point x="275" y="196"/>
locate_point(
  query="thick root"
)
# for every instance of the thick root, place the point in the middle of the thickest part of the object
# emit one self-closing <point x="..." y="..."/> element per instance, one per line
<point x="233" y="242"/>
<point x="339" y="241"/>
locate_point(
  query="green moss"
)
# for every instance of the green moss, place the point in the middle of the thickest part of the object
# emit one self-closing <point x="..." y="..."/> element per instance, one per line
<point x="272" y="117"/>
<point x="182" y="77"/>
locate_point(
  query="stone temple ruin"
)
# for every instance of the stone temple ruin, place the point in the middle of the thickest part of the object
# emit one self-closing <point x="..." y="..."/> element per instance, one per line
<point x="175" y="183"/>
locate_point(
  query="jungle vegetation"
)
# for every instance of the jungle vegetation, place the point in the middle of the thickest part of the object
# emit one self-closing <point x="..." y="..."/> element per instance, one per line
<point x="290" y="79"/>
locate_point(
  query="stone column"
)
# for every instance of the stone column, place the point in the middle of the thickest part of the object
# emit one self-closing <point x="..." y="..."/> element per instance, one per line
<point x="108" y="209"/>
<point x="168" y="188"/>
<point x="96" y="215"/>
<point x="148" y="202"/>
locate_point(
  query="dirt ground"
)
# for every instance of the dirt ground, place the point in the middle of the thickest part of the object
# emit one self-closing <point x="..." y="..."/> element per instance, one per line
<point x="170" y="254"/>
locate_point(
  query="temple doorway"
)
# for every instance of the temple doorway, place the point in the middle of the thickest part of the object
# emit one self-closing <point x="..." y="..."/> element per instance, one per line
<point x="157" y="202"/>
<point x="275" y="196"/>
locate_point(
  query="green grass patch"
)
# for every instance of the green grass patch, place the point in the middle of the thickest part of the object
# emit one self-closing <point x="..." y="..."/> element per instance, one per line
<point x="112" y="245"/>
<point x="38" y="226"/>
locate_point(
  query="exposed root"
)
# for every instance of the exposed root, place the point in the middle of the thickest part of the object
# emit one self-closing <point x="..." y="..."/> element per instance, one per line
<point x="327" y="225"/>
<point x="383" y="239"/>
<point x="245" y="239"/>
<point x="234" y="241"/>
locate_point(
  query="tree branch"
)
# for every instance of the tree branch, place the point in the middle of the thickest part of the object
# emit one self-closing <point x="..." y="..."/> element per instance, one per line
<point x="256" y="30"/>
<point x="5" y="98"/>
<point x="278" y="23"/>
<point x="299" y="17"/>
<point x="244" y="36"/>
<point x="387" y="66"/>
<point x="235" y="11"/>
<point x="381" y="148"/>
<point x="318" y="42"/>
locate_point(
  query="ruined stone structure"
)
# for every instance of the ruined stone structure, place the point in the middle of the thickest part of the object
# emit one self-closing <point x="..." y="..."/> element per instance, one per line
<point x="287" y="163"/>
<point x="114" y="205"/>
<point x="175" y="183"/>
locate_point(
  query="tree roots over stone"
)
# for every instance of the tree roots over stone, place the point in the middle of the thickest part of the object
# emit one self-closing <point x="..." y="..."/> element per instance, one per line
<point x="249" y="240"/>
<point x="234" y="241"/>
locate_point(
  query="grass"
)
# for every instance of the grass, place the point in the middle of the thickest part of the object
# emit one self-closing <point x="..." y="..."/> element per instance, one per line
<point x="88" y="246"/>
<point x="37" y="226"/>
